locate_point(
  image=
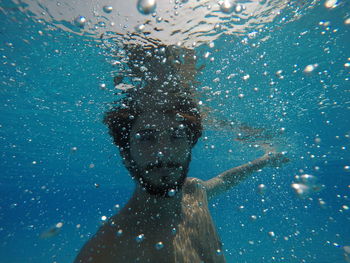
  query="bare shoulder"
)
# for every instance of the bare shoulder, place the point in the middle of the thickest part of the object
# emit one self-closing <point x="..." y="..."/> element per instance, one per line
<point x="192" y="182"/>
<point x="195" y="187"/>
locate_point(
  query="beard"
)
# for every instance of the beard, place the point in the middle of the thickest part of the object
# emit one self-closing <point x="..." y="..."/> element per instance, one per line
<point x="160" y="189"/>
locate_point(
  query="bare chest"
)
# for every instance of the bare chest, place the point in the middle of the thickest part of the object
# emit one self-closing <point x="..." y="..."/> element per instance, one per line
<point x="191" y="238"/>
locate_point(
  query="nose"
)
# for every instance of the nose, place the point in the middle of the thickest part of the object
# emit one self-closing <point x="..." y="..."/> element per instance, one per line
<point x="163" y="151"/>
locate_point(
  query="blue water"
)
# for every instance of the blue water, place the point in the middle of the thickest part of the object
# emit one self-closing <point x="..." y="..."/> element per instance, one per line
<point x="51" y="101"/>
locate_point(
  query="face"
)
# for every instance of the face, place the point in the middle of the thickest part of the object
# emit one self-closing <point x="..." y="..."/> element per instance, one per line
<point x="160" y="150"/>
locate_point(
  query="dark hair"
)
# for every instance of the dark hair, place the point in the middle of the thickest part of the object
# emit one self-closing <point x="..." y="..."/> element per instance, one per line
<point x="168" y="81"/>
<point x="121" y="118"/>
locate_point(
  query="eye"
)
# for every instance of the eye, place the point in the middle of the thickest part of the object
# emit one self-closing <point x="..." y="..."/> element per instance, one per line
<point x="146" y="135"/>
<point x="179" y="133"/>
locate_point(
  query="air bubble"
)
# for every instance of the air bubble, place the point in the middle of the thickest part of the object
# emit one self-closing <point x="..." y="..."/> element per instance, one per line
<point x="271" y="234"/>
<point x="261" y="188"/>
<point x="140" y="28"/>
<point x="246" y="77"/>
<point x="53" y="231"/>
<point x="80" y="21"/>
<point x="159" y="245"/>
<point x="301" y="190"/>
<point x="119" y="232"/>
<point x="310" y="68"/>
<point x="146" y="6"/>
<point x="240" y="208"/>
<point x="171" y="192"/>
<point x="107" y="9"/>
<point x="307" y="184"/>
<point x="317" y="140"/>
<point x="179" y="117"/>
<point x="239" y="9"/>
<point x="322" y="203"/>
<point x="331" y="4"/>
<point x="308" y="179"/>
<point x="140" y="238"/>
<point x="226" y="6"/>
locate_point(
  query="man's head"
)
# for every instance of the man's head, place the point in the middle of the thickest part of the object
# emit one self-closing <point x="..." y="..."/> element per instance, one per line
<point x="155" y="132"/>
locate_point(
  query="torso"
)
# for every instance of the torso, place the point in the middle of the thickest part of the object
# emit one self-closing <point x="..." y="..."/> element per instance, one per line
<point x="191" y="238"/>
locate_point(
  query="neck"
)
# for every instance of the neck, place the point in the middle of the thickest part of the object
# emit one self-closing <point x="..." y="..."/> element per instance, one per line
<point x="148" y="206"/>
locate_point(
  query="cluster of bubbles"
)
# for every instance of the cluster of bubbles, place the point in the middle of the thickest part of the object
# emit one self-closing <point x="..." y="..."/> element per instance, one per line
<point x="306" y="184"/>
<point x="143" y="6"/>
<point x="310" y="68"/>
<point x="228" y="6"/>
<point x="147" y="7"/>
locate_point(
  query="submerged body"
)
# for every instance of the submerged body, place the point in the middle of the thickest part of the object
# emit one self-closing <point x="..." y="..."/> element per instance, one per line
<point x="167" y="219"/>
<point x="183" y="232"/>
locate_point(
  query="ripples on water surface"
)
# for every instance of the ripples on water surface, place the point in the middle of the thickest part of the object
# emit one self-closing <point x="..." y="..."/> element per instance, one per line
<point x="275" y="71"/>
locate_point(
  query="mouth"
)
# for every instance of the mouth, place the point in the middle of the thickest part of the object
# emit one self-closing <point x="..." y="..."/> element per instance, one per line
<point x="161" y="165"/>
<point x="165" y="179"/>
<point x="160" y="178"/>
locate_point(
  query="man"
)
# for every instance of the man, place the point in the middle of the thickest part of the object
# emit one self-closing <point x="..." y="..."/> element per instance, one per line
<point x="167" y="218"/>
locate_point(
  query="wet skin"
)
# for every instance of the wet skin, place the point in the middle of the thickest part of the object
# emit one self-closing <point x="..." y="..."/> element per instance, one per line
<point x="185" y="230"/>
<point x="182" y="223"/>
<point x="160" y="149"/>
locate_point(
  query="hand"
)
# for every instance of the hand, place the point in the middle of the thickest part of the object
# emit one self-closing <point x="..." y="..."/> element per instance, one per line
<point x="276" y="159"/>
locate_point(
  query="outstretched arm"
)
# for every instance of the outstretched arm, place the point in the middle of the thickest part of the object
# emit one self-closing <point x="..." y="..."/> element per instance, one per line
<point x="234" y="176"/>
